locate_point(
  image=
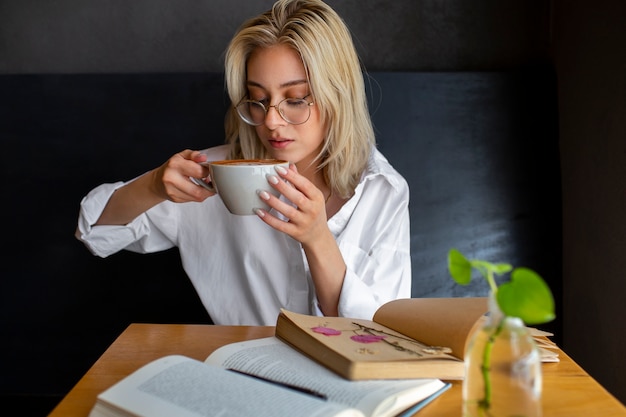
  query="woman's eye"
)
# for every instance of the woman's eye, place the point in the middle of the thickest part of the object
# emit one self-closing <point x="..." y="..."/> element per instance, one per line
<point x="263" y="101"/>
<point x="296" y="102"/>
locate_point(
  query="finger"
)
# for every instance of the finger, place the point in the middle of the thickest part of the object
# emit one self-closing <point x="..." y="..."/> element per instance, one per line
<point x="301" y="225"/>
<point x="292" y="194"/>
<point x="175" y="176"/>
<point x="301" y="183"/>
<point x="275" y="222"/>
<point x="189" y="162"/>
<point x="199" y="156"/>
<point x="285" y="208"/>
<point x="180" y="188"/>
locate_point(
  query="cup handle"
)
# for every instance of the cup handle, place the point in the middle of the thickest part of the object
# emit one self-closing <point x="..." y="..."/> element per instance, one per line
<point x="201" y="183"/>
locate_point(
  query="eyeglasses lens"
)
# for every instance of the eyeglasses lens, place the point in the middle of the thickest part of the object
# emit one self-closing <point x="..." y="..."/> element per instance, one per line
<point x="293" y="110"/>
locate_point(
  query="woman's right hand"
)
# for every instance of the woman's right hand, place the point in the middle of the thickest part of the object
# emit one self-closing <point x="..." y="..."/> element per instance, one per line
<point x="172" y="180"/>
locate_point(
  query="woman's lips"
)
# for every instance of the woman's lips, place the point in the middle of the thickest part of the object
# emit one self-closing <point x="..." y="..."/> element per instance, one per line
<point x="279" y="143"/>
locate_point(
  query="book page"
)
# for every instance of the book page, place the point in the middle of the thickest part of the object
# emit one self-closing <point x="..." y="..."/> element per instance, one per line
<point x="434" y="321"/>
<point x="183" y="387"/>
<point x="275" y="360"/>
<point x="448" y="322"/>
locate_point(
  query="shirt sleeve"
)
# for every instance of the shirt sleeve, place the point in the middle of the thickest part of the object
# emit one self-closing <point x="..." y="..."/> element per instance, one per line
<point x="139" y="235"/>
<point x="153" y="231"/>
<point x="376" y="249"/>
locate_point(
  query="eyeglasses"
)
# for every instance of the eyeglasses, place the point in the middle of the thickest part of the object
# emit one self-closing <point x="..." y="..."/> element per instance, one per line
<point x="294" y="111"/>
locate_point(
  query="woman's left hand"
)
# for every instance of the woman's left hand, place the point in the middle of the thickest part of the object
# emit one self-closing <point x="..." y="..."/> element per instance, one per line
<point x="308" y="225"/>
<point x="307" y="220"/>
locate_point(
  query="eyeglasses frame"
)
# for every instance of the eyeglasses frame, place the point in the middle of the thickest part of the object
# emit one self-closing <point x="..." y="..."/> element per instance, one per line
<point x="275" y="106"/>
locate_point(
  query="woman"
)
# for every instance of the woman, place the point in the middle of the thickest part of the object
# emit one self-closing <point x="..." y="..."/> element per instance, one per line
<point x="335" y="243"/>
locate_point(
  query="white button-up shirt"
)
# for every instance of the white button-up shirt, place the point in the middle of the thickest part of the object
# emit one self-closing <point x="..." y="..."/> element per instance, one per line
<point x="244" y="271"/>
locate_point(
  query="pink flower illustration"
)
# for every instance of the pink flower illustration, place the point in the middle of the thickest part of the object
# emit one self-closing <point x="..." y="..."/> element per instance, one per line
<point x="326" y="331"/>
<point x="367" y="338"/>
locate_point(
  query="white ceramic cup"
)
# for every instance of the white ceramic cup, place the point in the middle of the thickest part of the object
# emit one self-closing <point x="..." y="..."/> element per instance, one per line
<point x="238" y="182"/>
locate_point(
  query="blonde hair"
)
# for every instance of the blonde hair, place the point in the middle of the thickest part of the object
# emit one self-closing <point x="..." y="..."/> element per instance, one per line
<point x="323" y="41"/>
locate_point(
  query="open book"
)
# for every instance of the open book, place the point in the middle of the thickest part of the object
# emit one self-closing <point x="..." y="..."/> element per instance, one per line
<point x="407" y="338"/>
<point x="260" y="378"/>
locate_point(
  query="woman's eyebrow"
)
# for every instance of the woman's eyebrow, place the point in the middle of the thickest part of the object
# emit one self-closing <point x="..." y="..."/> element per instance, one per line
<point x="292" y="83"/>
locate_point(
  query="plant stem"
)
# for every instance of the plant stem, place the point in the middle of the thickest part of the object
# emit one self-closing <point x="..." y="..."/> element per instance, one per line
<point x="487" y="270"/>
<point x="492" y="282"/>
<point x="485" y="403"/>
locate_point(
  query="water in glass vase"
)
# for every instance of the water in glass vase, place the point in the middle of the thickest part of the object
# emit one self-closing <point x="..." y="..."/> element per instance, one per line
<point x="503" y="371"/>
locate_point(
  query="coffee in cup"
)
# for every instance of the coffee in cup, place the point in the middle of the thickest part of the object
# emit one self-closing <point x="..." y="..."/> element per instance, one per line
<point x="238" y="182"/>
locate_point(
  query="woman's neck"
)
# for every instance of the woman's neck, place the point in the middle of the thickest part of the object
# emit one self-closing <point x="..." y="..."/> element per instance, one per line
<point x="315" y="175"/>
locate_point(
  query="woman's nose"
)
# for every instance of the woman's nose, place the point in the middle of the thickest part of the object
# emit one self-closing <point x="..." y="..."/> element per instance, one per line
<point x="273" y="118"/>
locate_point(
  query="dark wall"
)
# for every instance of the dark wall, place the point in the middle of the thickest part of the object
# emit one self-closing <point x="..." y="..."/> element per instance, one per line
<point x="591" y="64"/>
<point x="480" y="153"/>
<point x="61" y="135"/>
<point x="69" y="36"/>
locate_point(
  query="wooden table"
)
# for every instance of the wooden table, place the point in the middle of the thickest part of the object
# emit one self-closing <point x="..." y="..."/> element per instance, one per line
<point x="568" y="391"/>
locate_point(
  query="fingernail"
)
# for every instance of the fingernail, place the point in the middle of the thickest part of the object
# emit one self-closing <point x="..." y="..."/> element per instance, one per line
<point x="259" y="212"/>
<point x="280" y="169"/>
<point x="272" y="179"/>
<point x="264" y="194"/>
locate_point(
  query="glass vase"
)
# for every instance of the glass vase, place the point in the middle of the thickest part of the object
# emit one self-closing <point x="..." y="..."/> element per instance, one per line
<point x="502" y="369"/>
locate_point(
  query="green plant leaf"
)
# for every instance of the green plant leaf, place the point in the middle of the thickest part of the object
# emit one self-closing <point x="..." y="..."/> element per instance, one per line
<point x="460" y="268"/>
<point x="526" y="296"/>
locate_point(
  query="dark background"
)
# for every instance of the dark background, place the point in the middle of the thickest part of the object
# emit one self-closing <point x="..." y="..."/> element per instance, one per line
<point x="95" y="92"/>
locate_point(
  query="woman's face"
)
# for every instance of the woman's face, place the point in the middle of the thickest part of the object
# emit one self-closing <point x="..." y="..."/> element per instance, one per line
<point x="274" y="74"/>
